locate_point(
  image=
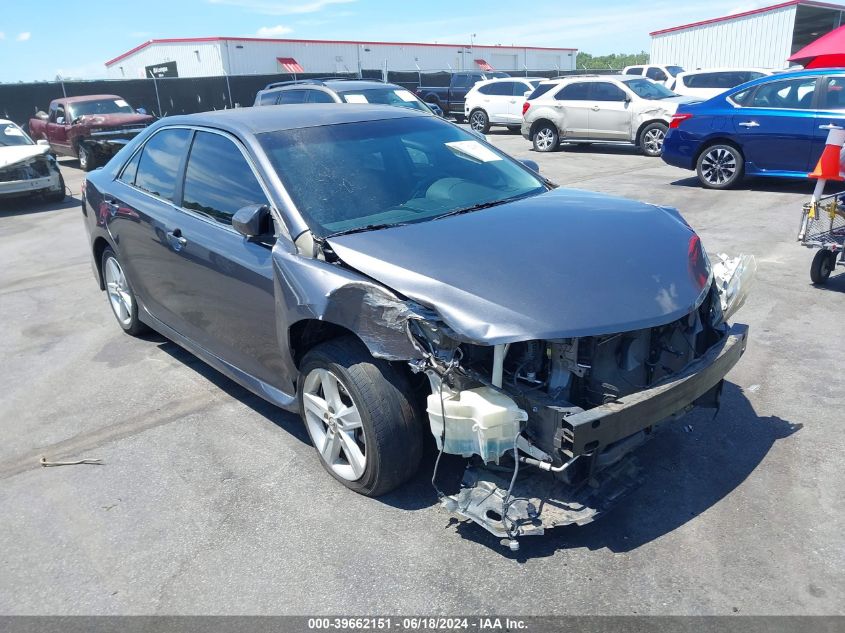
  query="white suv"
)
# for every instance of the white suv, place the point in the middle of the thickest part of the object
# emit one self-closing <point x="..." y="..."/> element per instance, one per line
<point x="601" y="108"/>
<point x="662" y="74"/>
<point x="706" y="83"/>
<point x="498" y="102"/>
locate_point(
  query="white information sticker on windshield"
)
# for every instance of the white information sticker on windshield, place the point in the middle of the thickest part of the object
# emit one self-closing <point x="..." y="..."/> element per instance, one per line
<point x="405" y="95"/>
<point x="356" y="99"/>
<point x="12" y="131"/>
<point x="475" y="150"/>
<point x="121" y="103"/>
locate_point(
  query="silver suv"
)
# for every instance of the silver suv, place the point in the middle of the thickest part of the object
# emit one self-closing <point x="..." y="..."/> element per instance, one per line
<point x="600" y="108"/>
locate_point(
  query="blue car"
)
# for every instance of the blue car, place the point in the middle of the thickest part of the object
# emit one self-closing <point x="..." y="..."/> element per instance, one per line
<point x="772" y="126"/>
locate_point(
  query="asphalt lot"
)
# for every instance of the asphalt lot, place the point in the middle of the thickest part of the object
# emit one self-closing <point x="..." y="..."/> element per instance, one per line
<point x="213" y="502"/>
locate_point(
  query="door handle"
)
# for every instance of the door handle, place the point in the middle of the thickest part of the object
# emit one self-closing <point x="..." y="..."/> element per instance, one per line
<point x="111" y="203"/>
<point x="176" y="240"/>
<point x="595" y="108"/>
<point x="830" y="126"/>
<point x="749" y="124"/>
<point x="513" y="100"/>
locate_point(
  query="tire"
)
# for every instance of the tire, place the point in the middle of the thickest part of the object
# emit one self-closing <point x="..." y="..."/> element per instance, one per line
<point x="459" y="118"/>
<point x="652" y="137"/>
<point x="57" y="196"/>
<point x="823" y="264"/>
<point x="720" y="166"/>
<point x="545" y="138"/>
<point x="479" y="121"/>
<point x="514" y="129"/>
<point x="385" y="427"/>
<point x="121" y="298"/>
<point x="87" y="159"/>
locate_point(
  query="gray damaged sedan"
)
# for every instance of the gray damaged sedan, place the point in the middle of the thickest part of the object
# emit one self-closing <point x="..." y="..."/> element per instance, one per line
<point x="387" y="275"/>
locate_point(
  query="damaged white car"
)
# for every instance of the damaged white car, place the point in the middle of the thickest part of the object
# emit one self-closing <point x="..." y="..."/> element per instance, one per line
<point x="27" y="168"/>
<point x="387" y="274"/>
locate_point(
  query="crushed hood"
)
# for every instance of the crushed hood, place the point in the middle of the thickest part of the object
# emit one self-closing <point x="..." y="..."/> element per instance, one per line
<point x="9" y="155"/>
<point x="565" y="263"/>
<point x="114" y="120"/>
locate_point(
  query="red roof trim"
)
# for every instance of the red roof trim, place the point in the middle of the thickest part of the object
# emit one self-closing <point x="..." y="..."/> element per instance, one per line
<point x="183" y="40"/>
<point x="724" y="18"/>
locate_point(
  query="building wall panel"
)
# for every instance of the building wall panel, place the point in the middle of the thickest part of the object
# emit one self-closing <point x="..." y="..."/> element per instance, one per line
<point x="761" y="39"/>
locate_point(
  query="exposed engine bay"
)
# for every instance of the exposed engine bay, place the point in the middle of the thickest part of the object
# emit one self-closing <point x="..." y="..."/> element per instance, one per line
<point x="549" y="425"/>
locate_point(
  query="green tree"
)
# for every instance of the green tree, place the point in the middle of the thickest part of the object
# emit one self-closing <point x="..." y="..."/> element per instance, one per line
<point x="615" y="61"/>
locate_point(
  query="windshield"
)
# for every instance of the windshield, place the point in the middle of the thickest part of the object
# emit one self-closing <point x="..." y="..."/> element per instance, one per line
<point x="647" y="89"/>
<point x="11" y="134"/>
<point x="392" y="171"/>
<point x="385" y="96"/>
<point x="100" y="106"/>
<point x="674" y="70"/>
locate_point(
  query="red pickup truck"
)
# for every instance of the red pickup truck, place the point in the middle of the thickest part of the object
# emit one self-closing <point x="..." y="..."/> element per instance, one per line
<point x="92" y="128"/>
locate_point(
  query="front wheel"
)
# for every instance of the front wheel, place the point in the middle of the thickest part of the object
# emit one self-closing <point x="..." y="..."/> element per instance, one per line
<point x="479" y="121"/>
<point x="823" y="264"/>
<point x="546" y="138"/>
<point x="359" y="415"/>
<point x="720" y="166"/>
<point x="59" y="194"/>
<point x="652" y="137"/>
<point x="87" y="158"/>
<point x="122" y="299"/>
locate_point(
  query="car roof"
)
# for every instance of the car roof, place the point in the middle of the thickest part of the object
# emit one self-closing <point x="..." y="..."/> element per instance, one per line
<point x="87" y="98"/>
<point x="731" y="69"/>
<point x="338" y="85"/>
<point x="260" y="119"/>
<point x="498" y="79"/>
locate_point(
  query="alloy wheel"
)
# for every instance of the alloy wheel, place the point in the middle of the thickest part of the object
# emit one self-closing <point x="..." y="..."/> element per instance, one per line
<point x="478" y="121"/>
<point x="654" y="141"/>
<point x="334" y="424"/>
<point x="544" y="139"/>
<point x="120" y="296"/>
<point x="718" y="166"/>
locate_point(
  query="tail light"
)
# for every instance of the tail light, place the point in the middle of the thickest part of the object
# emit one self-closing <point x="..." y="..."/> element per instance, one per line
<point x="699" y="266"/>
<point x="677" y="118"/>
<point x="525" y="107"/>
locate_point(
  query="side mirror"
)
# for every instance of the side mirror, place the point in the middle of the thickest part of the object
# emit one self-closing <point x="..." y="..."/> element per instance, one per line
<point x="42" y="141"/>
<point x="527" y="93"/>
<point x="141" y="110"/>
<point x="253" y="221"/>
<point x="532" y="165"/>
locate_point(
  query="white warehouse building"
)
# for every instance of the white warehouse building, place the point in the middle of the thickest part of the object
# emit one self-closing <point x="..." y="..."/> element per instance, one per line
<point x="762" y="38"/>
<point x="215" y="56"/>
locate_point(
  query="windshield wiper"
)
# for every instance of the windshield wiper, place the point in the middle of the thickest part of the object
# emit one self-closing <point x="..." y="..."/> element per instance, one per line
<point x="363" y="229"/>
<point x="484" y="205"/>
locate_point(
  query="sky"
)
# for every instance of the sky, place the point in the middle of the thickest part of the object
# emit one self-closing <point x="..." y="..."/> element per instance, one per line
<point x="43" y="39"/>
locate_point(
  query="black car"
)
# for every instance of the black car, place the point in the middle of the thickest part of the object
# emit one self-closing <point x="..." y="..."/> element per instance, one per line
<point x="383" y="272"/>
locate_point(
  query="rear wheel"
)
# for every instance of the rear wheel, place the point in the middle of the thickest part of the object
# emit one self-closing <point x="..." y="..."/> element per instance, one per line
<point x="720" y="166"/>
<point x="651" y="139"/>
<point x="459" y="118"/>
<point x="514" y="128"/>
<point x="360" y="418"/>
<point x="545" y="138"/>
<point x="823" y="264"/>
<point x="479" y="121"/>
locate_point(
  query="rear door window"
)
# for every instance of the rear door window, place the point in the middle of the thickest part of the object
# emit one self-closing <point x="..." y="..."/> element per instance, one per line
<point x="541" y="90"/>
<point x="292" y="96"/>
<point x="606" y="91"/>
<point x="792" y="94"/>
<point x="318" y="96"/>
<point x="579" y="91"/>
<point x="158" y="167"/>
<point x="218" y="179"/>
<point x="656" y="74"/>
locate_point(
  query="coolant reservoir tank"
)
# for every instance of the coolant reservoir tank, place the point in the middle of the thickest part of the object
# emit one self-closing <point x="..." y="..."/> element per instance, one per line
<point x="480" y="421"/>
